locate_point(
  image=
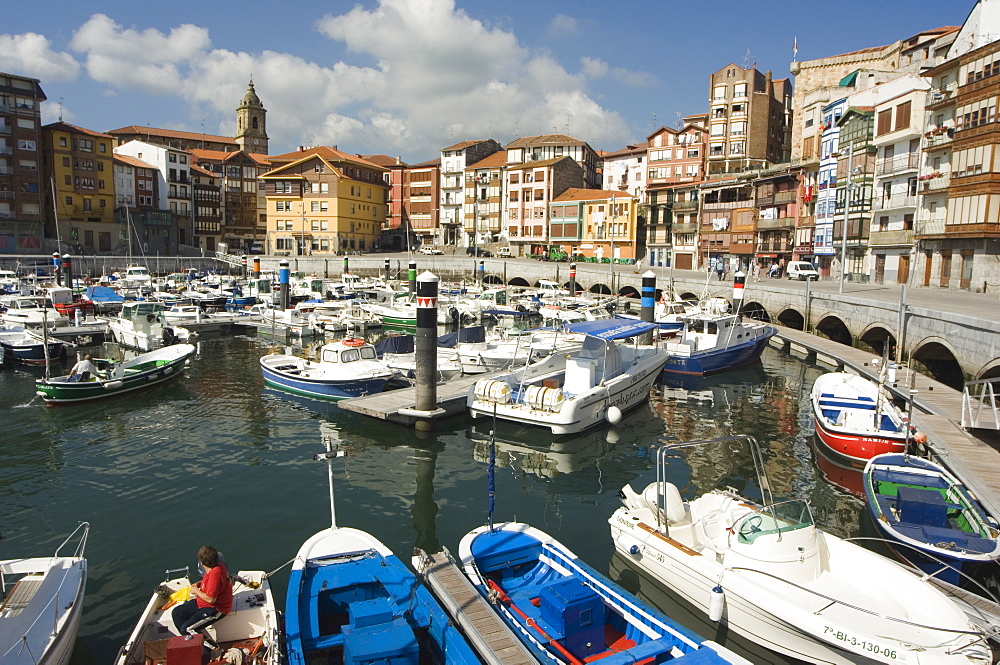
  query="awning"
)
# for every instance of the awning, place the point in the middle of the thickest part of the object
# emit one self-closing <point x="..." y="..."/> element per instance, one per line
<point x="611" y="328"/>
<point x="767" y="256"/>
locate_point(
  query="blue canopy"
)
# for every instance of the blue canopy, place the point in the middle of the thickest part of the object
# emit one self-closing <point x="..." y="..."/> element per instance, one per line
<point x="611" y="328"/>
<point x="104" y="294"/>
<point x="473" y="334"/>
<point x="395" y="344"/>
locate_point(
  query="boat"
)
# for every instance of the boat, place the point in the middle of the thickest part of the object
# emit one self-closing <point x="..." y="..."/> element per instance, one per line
<point x="716" y="341"/>
<point x="854" y="418"/>
<point x="29" y="348"/>
<point x="32" y="312"/>
<point x="939" y="523"/>
<point x="767" y="572"/>
<point x="42" y="604"/>
<point x="140" y="325"/>
<point x="252" y="628"/>
<point x="351" y="600"/>
<point x="286" y="321"/>
<point x="181" y="314"/>
<point x="398" y="352"/>
<point x="348" y="368"/>
<point x="143" y="371"/>
<point x="564" y="611"/>
<point x="574" y="391"/>
<point x="136" y="277"/>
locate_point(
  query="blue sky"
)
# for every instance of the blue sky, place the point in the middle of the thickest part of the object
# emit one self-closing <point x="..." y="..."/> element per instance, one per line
<point x="409" y="77"/>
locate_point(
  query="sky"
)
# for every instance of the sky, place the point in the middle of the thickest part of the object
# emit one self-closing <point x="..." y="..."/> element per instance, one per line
<point x="410" y="77"/>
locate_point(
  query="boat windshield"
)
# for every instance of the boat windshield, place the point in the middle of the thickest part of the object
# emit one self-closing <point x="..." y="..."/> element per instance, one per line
<point x="776" y="518"/>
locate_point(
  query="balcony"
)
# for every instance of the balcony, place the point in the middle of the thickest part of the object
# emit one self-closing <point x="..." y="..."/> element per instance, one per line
<point x="6" y="195"/>
<point x="6" y="150"/>
<point x="939" y="183"/>
<point x="684" y="228"/>
<point x="682" y="206"/>
<point x="896" y="164"/>
<point x="780" y="223"/>
<point x="6" y="170"/>
<point x="787" y="196"/>
<point x="937" y="141"/>
<point x="6" y="215"/>
<point x="5" y="129"/>
<point x="895" y="202"/>
<point x="942" y="95"/>
<point x="887" y="238"/>
<point x="777" y="246"/>
<point x="930" y="227"/>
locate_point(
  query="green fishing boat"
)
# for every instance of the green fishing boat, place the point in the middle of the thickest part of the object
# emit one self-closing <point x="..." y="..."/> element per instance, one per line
<point x="142" y="371"/>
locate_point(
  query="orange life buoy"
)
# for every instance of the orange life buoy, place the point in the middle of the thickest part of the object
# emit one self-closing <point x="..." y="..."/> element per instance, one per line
<point x="920" y="437"/>
<point x="354" y="341"/>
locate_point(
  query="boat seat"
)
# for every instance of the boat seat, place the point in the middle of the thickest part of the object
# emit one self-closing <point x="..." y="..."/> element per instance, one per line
<point x="712" y="531"/>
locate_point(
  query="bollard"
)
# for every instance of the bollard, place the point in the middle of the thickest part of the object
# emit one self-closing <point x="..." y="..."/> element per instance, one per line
<point x="413" y="277"/>
<point x="482" y="271"/>
<point x="243" y="266"/>
<point x="388" y="272"/>
<point x="425" y="346"/>
<point x="648" y="303"/>
<point x="346" y="263"/>
<point x="739" y="282"/>
<point x="256" y="267"/>
<point x="572" y="280"/>
<point x="56" y="263"/>
<point x="283" y="276"/>
<point x="67" y="271"/>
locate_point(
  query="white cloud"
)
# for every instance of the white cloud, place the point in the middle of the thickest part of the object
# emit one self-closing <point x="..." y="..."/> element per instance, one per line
<point x="30" y="54"/>
<point x="595" y="68"/>
<point x="562" y="25"/>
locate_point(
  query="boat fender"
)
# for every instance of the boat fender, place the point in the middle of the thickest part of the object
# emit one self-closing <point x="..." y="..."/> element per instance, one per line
<point x="112" y="385"/>
<point x="614" y="415"/>
<point x="919" y="437"/>
<point x="716" y="603"/>
<point x="151" y="317"/>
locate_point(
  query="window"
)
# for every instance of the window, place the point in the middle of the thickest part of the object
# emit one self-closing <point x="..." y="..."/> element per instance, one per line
<point x="740" y="90"/>
<point x="25" y="145"/>
<point x="902" y="116"/>
<point x="719" y="92"/>
<point x="62" y="141"/>
<point x="65" y="161"/>
<point x="884" y="122"/>
<point x="515" y="178"/>
<point x="28" y="164"/>
<point x="25" y="123"/>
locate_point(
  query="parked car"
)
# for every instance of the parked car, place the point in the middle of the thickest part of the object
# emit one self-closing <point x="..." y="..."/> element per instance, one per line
<point x="427" y="249"/>
<point x="478" y="251"/>
<point x="504" y="252"/>
<point x="801" y="270"/>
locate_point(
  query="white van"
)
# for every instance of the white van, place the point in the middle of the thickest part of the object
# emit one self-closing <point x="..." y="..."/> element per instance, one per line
<point x="801" y="270"/>
<point x="257" y="247"/>
<point x="503" y="252"/>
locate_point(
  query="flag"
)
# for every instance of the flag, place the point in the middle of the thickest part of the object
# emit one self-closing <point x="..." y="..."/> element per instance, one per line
<point x="795" y="47"/>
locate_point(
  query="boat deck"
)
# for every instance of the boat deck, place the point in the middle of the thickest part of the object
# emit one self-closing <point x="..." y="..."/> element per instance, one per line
<point x="492" y="639"/>
<point x="937" y="412"/>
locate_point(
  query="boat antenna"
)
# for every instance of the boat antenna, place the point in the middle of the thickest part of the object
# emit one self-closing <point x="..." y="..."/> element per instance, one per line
<point x="328" y="457"/>
<point x="491" y="485"/>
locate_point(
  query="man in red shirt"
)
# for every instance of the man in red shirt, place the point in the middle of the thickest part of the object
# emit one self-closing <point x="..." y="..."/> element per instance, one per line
<point x="213" y="595"/>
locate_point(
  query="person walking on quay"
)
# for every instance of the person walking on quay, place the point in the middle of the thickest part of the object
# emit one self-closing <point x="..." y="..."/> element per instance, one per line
<point x="719" y="268"/>
<point x="213" y="595"/>
<point x="755" y="271"/>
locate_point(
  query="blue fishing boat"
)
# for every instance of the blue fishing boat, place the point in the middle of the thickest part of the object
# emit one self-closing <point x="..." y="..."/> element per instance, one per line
<point x="28" y="348"/>
<point x="937" y="519"/>
<point x="348" y="368"/>
<point x="351" y="600"/>
<point x="713" y="342"/>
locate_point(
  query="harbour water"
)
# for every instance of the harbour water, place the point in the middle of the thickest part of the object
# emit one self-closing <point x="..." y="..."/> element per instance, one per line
<point x="217" y="458"/>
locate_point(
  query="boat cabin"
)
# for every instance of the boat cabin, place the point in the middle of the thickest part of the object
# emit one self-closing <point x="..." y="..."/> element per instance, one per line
<point x="347" y="351"/>
<point x="144" y="310"/>
<point x="139" y="274"/>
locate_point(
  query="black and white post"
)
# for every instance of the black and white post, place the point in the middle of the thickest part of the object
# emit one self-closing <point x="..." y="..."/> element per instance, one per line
<point x="283" y="277"/>
<point x="572" y="280"/>
<point x="388" y="272"/>
<point x="412" y="276"/>
<point x="425" y="345"/>
<point x="739" y="284"/>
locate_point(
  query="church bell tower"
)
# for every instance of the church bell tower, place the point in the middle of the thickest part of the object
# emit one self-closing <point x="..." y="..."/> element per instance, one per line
<point x="251" y="118"/>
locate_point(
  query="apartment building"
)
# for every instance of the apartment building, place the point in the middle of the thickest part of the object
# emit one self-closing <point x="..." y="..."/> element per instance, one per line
<point x="958" y="232"/>
<point x="547" y="147"/>
<point x="397" y="223"/>
<point x="899" y="123"/>
<point x="424" y="183"/>
<point x="625" y="170"/>
<point x="531" y="187"/>
<point x="597" y="224"/>
<point x="170" y="224"/>
<point x="322" y="200"/>
<point x="483" y="212"/>
<point x="727" y="225"/>
<point x="22" y="180"/>
<point x="206" y="187"/>
<point x="135" y="197"/>
<point x="80" y="163"/>
<point x="454" y="159"/>
<point x="676" y="166"/>
<point x="749" y="120"/>
<point x="242" y="220"/>
<point x="777" y="202"/>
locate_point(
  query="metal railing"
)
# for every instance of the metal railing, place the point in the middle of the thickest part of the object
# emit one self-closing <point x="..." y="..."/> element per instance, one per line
<point x="942" y="94"/>
<point x="902" y="201"/>
<point x="928" y="227"/>
<point x="898" y="163"/>
<point x="979" y="405"/>
<point x="896" y="237"/>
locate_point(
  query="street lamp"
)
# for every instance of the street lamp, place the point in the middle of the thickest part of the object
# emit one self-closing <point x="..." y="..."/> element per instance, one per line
<point x="847" y="214"/>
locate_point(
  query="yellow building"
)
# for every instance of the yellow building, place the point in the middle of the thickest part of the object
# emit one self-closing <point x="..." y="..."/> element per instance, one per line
<point x="323" y="201"/>
<point x="598" y="224"/>
<point x="80" y="168"/>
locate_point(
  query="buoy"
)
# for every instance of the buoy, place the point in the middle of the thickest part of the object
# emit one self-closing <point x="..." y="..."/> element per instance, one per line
<point x="716" y="603"/>
<point x="614" y="415"/>
<point x="919" y="437"/>
<point x="635" y="549"/>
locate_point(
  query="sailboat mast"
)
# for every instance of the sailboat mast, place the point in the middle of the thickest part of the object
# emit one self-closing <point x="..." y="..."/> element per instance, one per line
<point x="55" y="213"/>
<point x="329" y="470"/>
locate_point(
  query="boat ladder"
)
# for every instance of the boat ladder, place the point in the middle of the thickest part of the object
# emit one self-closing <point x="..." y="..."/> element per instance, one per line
<point x="979" y="405"/>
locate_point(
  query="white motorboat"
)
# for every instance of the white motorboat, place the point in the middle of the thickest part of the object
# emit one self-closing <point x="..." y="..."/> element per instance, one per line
<point x="348" y="368"/>
<point x="252" y="628"/>
<point x="291" y="321"/>
<point x="571" y="392"/>
<point x="32" y="312"/>
<point x="771" y="575"/>
<point x="42" y="604"/>
<point x="181" y="314"/>
<point x="140" y="325"/>
<point x="137" y="276"/>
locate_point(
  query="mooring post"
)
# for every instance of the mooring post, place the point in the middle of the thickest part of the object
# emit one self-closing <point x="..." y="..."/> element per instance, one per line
<point x="413" y="277"/>
<point x="56" y="267"/>
<point x="388" y="272"/>
<point x="739" y="283"/>
<point x="256" y="268"/>
<point x="346" y="263"/>
<point x="572" y="280"/>
<point x="648" y="302"/>
<point x="482" y="271"/>
<point x="67" y="270"/>
<point x="283" y="276"/>
<point x="425" y="344"/>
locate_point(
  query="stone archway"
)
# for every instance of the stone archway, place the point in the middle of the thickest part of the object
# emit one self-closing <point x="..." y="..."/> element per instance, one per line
<point x="833" y="328"/>
<point x="754" y="310"/>
<point x="493" y="279"/>
<point x="879" y="340"/>
<point x="629" y="292"/>
<point x="991" y="370"/>
<point x="600" y="289"/>
<point x="518" y="281"/>
<point x="935" y="358"/>
<point x="791" y="318"/>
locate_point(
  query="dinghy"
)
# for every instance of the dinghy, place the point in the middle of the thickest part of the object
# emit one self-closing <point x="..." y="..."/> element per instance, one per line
<point x="348" y="368"/>
<point x="854" y="418"/>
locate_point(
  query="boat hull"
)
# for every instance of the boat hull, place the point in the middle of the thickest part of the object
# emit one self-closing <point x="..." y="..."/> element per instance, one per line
<point x="34" y="353"/>
<point x="325" y="389"/>
<point x="719" y="360"/>
<point x="58" y="391"/>
<point x="853" y="419"/>
<point x="857" y="448"/>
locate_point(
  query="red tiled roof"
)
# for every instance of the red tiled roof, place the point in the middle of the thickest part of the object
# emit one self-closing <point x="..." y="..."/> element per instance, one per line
<point x="544" y="139"/>
<point x="203" y="171"/>
<point x="324" y="151"/>
<point x="498" y="158"/>
<point x="464" y="144"/>
<point x="580" y="194"/>
<point x="384" y="160"/>
<point x="132" y="161"/>
<point x="66" y="127"/>
<point x="172" y="134"/>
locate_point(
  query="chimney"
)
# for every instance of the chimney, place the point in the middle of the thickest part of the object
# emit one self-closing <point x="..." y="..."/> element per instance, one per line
<point x="302" y="148"/>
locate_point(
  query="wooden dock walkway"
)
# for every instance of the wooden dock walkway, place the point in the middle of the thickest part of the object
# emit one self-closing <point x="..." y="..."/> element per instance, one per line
<point x="451" y="396"/>
<point x="492" y="639"/>
<point x="937" y="411"/>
